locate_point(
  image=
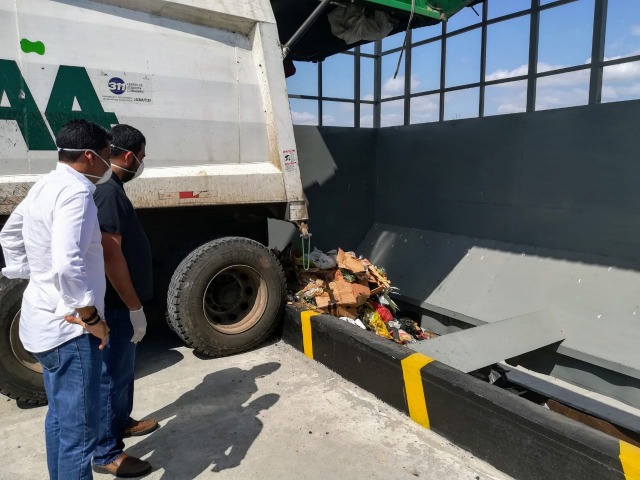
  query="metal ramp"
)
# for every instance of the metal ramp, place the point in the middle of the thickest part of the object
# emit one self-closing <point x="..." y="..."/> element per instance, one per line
<point x="475" y="348"/>
<point x="457" y="282"/>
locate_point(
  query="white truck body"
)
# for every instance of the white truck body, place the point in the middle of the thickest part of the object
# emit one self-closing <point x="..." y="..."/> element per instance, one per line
<point x="202" y="79"/>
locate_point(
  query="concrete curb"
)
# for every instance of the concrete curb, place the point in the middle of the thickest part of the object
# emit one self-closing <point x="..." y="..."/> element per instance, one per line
<point x="514" y="435"/>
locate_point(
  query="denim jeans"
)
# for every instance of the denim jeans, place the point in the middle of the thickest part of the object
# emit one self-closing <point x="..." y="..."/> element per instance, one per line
<point x="116" y="387"/>
<point x="72" y="382"/>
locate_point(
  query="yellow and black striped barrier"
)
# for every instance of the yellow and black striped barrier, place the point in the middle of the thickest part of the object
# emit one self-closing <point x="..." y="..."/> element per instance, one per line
<point x="516" y="436"/>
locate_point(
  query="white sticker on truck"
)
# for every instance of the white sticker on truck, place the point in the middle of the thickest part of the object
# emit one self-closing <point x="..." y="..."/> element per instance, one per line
<point x="290" y="160"/>
<point x="126" y="87"/>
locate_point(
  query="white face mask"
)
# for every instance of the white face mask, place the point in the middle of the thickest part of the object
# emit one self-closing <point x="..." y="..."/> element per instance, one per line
<point x="101" y="179"/>
<point x="135" y="174"/>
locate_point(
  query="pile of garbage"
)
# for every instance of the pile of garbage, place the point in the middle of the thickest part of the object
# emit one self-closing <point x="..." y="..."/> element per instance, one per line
<point x="350" y="287"/>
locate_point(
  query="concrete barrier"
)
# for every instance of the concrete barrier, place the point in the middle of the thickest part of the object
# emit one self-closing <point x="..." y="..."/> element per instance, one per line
<point x="516" y="436"/>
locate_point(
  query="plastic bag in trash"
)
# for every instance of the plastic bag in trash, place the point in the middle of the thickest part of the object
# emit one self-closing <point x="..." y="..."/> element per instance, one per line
<point x="394" y="324"/>
<point x="376" y="324"/>
<point x="383" y="311"/>
<point x="322" y="260"/>
<point x="405" y="337"/>
<point x="356" y="322"/>
<point x="412" y="327"/>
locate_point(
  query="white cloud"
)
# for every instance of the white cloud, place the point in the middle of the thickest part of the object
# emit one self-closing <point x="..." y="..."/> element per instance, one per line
<point x="304" y="118"/>
<point x="391" y="119"/>
<point x="623" y="72"/>
<point x="392" y="113"/>
<point x="328" y="120"/>
<point x="501" y="73"/>
<point x="547" y="98"/>
<point x="622" y="81"/>
<point x="499" y="101"/>
<point x="505" y="108"/>
<point x="571" y="79"/>
<point x="395" y="86"/>
<point x="625" y="92"/>
<point x="425" y="109"/>
<point x="562" y="79"/>
<point x="609" y="93"/>
<point x="635" y="30"/>
<point x="366" y="121"/>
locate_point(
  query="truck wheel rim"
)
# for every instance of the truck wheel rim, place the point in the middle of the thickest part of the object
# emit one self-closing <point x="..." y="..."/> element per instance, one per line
<point x="235" y="299"/>
<point x="24" y="357"/>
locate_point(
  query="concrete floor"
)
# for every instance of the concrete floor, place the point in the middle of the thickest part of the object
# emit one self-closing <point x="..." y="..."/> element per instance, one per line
<point x="270" y="414"/>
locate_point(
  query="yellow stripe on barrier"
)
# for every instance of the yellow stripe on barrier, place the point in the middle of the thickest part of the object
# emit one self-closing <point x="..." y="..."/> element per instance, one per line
<point x="416" y="401"/>
<point x="307" y="340"/>
<point x="630" y="459"/>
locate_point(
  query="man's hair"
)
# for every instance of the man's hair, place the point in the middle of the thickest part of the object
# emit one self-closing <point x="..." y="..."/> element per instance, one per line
<point x="81" y="134"/>
<point x="127" y="139"/>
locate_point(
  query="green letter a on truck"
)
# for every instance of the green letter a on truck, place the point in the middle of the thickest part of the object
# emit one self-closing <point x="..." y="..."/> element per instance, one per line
<point x="71" y="83"/>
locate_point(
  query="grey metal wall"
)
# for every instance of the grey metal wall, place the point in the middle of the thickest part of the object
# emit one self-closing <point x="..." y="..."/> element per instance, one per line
<point x="338" y="169"/>
<point x="488" y="219"/>
<point x="566" y="179"/>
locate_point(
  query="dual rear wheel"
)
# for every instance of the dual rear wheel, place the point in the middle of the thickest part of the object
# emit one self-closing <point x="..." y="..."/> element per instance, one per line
<point x="225" y="297"/>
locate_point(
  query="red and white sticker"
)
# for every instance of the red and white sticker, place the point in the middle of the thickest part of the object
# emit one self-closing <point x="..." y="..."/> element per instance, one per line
<point x="186" y="195"/>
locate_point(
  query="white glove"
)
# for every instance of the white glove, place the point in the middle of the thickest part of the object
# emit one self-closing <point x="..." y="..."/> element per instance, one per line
<point x="139" y="323"/>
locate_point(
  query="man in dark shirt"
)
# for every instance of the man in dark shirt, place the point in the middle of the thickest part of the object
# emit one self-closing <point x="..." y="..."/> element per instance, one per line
<point x="127" y="256"/>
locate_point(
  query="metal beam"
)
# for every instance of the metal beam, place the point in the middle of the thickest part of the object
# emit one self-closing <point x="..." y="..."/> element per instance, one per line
<point x="534" y="35"/>
<point x="597" y="51"/>
<point x="478" y="347"/>
<point x="306" y="25"/>
<point x="377" y="84"/>
<point x="443" y="66"/>
<point x="407" y="79"/>
<point x="356" y="88"/>
<point x="483" y="59"/>
<point x="320" y="94"/>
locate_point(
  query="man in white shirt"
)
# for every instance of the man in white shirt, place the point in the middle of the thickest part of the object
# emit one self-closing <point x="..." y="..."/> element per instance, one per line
<point x="53" y="239"/>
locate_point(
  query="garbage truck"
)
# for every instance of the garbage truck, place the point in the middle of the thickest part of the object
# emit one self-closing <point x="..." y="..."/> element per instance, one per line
<point x="205" y="83"/>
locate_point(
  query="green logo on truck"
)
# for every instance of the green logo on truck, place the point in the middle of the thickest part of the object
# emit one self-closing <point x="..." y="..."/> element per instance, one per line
<point x="71" y="83"/>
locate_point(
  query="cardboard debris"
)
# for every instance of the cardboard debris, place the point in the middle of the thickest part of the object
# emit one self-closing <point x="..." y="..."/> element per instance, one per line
<point x="329" y="291"/>
<point x="354" y="289"/>
<point x="350" y="262"/>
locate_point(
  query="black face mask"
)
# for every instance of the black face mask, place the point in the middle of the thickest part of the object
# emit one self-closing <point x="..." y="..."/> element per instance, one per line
<point x="128" y="176"/>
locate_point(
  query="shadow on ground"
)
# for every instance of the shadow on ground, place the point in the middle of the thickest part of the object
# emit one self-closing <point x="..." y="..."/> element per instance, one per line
<point x="210" y="427"/>
<point x="157" y="351"/>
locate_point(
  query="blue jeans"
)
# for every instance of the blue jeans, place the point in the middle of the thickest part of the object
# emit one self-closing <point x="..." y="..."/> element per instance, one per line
<point x="72" y="382"/>
<point x="116" y="387"/>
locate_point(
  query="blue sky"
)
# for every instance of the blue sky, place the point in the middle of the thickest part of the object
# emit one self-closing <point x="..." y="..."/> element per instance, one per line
<point x="565" y="40"/>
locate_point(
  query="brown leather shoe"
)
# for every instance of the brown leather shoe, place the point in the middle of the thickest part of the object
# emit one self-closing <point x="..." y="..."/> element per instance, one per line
<point x="140" y="427"/>
<point x="125" y="467"/>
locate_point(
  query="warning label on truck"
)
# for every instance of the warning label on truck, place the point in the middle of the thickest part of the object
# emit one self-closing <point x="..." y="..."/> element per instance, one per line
<point x="126" y="88"/>
<point x="290" y="160"/>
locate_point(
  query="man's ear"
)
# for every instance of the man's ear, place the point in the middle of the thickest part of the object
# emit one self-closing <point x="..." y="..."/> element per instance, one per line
<point x="129" y="159"/>
<point x="89" y="156"/>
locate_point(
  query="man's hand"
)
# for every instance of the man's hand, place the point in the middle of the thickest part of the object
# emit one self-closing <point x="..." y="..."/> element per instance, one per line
<point x="139" y="323"/>
<point x="99" y="330"/>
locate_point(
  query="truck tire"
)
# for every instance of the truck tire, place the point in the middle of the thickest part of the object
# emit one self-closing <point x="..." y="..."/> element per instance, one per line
<point x="20" y="373"/>
<point x="227" y="296"/>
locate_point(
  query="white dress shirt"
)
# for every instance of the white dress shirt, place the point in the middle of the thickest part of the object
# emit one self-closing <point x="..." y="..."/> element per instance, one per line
<point x="53" y="239"/>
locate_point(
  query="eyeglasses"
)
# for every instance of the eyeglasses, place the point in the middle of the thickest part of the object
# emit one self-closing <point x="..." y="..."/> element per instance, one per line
<point x="125" y="150"/>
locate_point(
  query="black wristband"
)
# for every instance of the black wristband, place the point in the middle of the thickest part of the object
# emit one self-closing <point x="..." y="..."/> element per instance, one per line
<point x="94" y="320"/>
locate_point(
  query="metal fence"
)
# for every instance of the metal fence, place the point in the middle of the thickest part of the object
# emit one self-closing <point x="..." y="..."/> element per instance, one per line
<point x="444" y="72"/>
